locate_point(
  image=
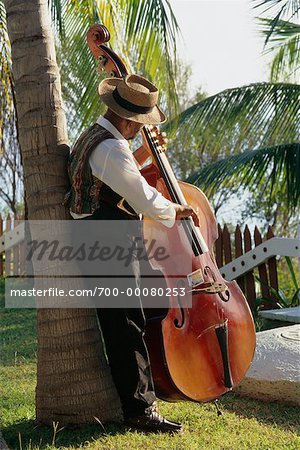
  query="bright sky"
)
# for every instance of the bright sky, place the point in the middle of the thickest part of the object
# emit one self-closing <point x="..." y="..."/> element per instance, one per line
<point x="222" y="43"/>
<point x="223" y="46"/>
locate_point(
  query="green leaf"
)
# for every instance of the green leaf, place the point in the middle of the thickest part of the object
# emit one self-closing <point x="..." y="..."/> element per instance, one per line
<point x="292" y="271"/>
<point x="249" y="138"/>
<point x="278" y="167"/>
<point x="282" y="297"/>
<point x="254" y="116"/>
<point x="277" y="293"/>
<point x="280" y="26"/>
<point x="296" y="298"/>
<point x="285" y="41"/>
<point x="277" y="10"/>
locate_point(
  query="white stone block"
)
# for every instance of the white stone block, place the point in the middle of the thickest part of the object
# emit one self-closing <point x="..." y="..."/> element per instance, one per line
<point x="275" y="371"/>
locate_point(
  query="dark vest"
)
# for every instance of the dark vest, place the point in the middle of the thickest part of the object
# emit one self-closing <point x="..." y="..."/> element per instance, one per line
<point x="87" y="192"/>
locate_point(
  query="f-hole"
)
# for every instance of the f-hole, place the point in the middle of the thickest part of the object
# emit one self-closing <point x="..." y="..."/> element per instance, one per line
<point x="179" y="322"/>
<point x="208" y="272"/>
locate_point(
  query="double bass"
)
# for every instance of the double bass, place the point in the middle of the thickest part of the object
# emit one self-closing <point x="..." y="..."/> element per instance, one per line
<point x="202" y="345"/>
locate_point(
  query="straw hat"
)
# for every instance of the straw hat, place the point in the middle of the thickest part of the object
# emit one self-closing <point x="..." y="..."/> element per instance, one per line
<point x="133" y="98"/>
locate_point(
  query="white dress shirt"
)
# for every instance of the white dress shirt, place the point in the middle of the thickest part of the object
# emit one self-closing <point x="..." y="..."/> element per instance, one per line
<point x="113" y="163"/>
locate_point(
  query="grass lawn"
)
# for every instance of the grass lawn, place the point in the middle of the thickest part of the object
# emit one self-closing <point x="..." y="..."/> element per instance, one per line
<point x="245" y="424"/>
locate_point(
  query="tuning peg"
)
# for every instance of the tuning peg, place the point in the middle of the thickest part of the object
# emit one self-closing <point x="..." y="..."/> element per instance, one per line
<point x="102" y="60"/>
<point x="161" y="148"/>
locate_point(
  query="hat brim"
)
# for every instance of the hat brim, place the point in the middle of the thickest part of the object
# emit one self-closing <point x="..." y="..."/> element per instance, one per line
<point x="106" y="88"/>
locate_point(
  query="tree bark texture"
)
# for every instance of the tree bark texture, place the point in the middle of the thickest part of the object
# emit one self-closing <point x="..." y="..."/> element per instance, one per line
<point x="74" y="381"/>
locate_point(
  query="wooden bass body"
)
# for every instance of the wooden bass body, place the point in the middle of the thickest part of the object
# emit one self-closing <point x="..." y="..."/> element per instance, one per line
<point x="199" y="352"/>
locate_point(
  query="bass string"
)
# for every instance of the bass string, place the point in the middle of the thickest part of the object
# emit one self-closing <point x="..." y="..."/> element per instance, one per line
<point x="188" y="224"/>
<point x="219" y="308"/>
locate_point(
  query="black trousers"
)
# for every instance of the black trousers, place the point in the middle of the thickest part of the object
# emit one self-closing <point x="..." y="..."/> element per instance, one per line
<point x="123" y="328"/>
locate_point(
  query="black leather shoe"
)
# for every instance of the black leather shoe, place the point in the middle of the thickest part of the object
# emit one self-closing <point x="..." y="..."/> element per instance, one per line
<point x="152" y="421"/>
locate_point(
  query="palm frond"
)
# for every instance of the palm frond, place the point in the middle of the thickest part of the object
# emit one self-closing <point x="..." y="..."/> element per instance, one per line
<point x="78" y="66"/>
<point x="284" y="30"/>
<point x="11" y="176"/>
<point x="277" y="10"/>
<point x="275" y="168"/>
<point x="283" y="7"/>
<point x="5" y="69"/>
<point x="8" y="117"/>
<point x="150" y="32"/>
<point x="285" y="40"/>
<point x="55" y="7"/>
<point x="254" y="116"/>
<point x="143" y="33"/>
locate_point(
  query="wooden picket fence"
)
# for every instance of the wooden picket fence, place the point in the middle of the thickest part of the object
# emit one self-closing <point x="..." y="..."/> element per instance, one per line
<point x="10" y="260"/>
<point x="228" y="247"/>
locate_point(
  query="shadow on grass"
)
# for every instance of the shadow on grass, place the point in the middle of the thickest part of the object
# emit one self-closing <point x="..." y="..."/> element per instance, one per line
<point x="281" y="415"/>
<point x="31" y="435"/>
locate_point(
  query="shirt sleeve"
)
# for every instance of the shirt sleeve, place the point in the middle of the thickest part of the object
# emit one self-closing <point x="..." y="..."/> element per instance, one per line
<point x="114" y="164"/>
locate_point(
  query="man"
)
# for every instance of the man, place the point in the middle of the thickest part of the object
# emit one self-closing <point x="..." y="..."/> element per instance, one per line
<point x="106" y="184"/>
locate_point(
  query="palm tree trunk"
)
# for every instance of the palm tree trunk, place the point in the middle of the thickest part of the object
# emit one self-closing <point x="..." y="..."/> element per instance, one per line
<point x="74" y="383"/>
